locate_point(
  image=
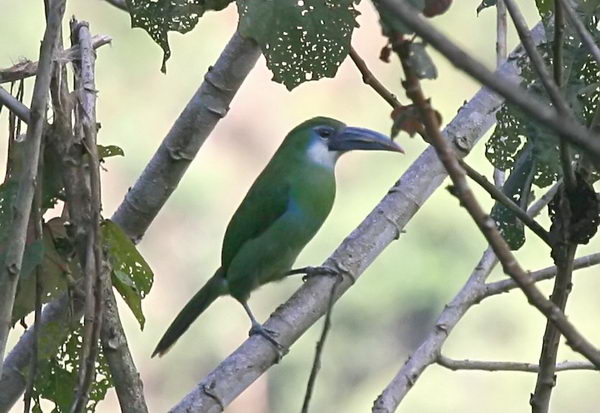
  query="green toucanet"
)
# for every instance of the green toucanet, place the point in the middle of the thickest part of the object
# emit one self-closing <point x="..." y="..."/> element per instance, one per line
<point x="282" y="211"/>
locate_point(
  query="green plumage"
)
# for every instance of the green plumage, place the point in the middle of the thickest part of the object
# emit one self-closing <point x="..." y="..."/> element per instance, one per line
<point x="282" y="211"/>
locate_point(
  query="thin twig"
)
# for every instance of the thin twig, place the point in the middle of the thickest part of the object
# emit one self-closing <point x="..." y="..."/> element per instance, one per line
<point x="10" y="271"/>
<point x="320" y="345"/>
<point x="501" y="197"/>
<point x="369" y="79"/>
<point x="86" y="89"/>
<point x="582" y="31"/>
<point x="482" y="365"/>
<point x="564" y="250"/>
<point x="461" y="189"/>
<point x="36" y="224"/>
<point x="501" y="51"/>
<point x="529" y="103"/>
<point x="503" y="286"/>
<point x="354" y="254"/>
<point x="27" y="68"/>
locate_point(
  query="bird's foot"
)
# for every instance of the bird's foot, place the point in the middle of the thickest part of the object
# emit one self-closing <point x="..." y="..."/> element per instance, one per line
<point x="270" y="336"/>
<point x="310" y="272"/>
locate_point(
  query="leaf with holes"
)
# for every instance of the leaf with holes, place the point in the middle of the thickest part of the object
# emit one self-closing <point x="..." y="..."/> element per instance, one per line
<point x="302" y="40"/>
<point x="131" y="275"/>
<point x="420" y="61"/>
<point x="159" y="17"/>
<point x="485" y="4"/>
<point x="58" y="372"/>
<point x="108" y="151"/>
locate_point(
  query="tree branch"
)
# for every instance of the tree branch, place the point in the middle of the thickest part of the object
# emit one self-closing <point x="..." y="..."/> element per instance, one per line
<point x="14" y="105"/>
<point x="576" y="133"/>
<point x="209" y="104"/>
<point x="187" y="135"/>
<point x="10" y="270"/>
<point x="462" y="191"/>
<point x="369" y="79"/>
<point x="509" y="365"/>
<point x="354" y="255"/>
<point x="470" y="294"/>
<point x="503" y="286"/>
<point x="27" y="68"/>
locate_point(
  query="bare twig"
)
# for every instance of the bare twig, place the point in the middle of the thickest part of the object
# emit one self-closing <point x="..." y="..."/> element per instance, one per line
<point x="86" y="125"/>
<point x="36" y="224"/>
<point x="14" y="105"/>
<point x="369" y="79"/>
<point x="9" y="273"/>
<point x="584" y="34"/>
<point x="27" y="68"/>
<point x="461" y="189"/>
<point x="530" y="104"/>
<point x="426" y="354"/>
<point x="501" y="51"/>
<point x="509" y="365"/>
<point x="499" y="196"/>
<point x="209" y="104"/>
<point x="355" y="254"/>
<point x="186" y="137"/>
<point x="503" y="286"/>
<point x="319" y="350"/>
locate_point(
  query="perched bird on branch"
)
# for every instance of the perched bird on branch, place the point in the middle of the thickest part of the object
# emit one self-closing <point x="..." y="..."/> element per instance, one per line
<point x="282" y="211"/>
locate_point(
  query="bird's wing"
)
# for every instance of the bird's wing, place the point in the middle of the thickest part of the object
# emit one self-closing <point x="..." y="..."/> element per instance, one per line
<point x="266" y="201"/>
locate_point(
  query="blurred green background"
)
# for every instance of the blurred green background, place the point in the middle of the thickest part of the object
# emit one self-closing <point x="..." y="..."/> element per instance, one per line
<point x="387" y="313"/>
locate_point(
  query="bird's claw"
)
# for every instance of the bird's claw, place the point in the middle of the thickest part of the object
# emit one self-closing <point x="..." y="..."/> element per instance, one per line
<point x="310" y="272"/>
<point x="270" y="336"/>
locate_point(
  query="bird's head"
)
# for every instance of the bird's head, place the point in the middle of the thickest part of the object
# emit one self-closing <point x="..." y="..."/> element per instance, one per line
<point x="325" y="139"/>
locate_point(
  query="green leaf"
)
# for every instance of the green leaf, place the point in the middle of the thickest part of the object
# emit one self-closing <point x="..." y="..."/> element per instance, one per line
<point x="57" y="270"/>
<point x="158" y="17"/>
<point x="57" y="377"/>
<point x="518" y="188"/>
<point x="131" y="275"/>
<point x="421" y="62"/>
<point x="545" y="8"/>
<point x="485" y="4"/>
<point x="108" y="151"/>
<point x="302" y="40"/>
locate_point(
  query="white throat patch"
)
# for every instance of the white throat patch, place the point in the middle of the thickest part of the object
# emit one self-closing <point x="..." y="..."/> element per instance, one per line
<point x="319" y="153"/>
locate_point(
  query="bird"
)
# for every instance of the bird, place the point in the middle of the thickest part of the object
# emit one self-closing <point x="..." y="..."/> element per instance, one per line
<point x="284" y="208"/>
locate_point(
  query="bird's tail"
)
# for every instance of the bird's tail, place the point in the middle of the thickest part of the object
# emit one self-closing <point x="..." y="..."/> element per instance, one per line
<point x="213" y="288"/>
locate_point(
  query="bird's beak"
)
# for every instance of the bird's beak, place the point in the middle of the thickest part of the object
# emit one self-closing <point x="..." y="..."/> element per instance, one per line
<point x="351" y="138"/>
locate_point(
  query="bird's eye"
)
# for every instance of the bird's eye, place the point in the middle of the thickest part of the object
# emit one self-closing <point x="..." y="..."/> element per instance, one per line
<point x="325" y="132"/>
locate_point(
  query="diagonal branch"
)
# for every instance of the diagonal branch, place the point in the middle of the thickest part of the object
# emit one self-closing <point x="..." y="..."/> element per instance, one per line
<point x="209" y="104"/>
<point x="189" y="132"/>
<point x="11" y="268"/>
<point x="530" y="104"/>
<point x="426" y="354"/>
<point x="383" y="225"/>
